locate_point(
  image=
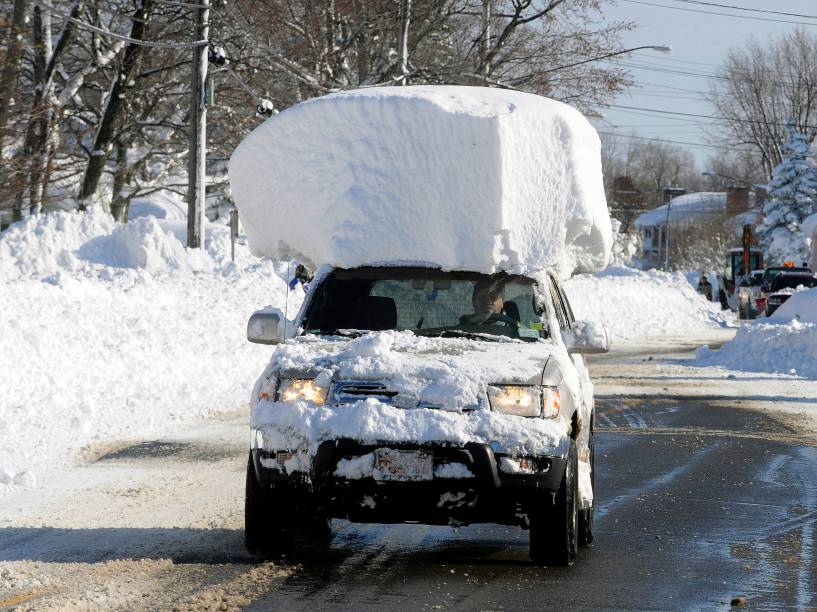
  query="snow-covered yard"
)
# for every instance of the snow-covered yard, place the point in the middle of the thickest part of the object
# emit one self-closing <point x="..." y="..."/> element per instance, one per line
<point x="111" y="332"/>
<point x="636" y="305"/>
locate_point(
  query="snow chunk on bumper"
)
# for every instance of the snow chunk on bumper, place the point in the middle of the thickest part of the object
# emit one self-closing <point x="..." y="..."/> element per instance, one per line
<point x="303" y="426"/>
<point x="426" y="174"/>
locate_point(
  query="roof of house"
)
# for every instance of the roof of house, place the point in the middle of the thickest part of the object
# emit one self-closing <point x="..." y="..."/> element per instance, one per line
<point x="685" y="208"/>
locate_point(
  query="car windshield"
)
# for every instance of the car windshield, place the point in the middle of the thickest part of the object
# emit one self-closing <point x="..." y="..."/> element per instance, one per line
<point x="792" y="281"/>
<point x="427" y="302"/>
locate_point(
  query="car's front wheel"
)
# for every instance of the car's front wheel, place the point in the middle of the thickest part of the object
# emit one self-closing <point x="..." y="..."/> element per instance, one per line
<point x="554" y="527"/>
<point x="266" y="532"/>
<point x="281" y="520"/>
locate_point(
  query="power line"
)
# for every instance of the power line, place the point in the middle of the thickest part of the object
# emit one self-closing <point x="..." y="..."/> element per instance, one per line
<point x="743" y="8"/>
<point x="676" y="60"/>
<point x="669" y="69"/>
<point x="732" y="15"/>
<point x="680" y="119"/>
<point x="676" y="71"/>
<point x="132" y="41"/>
<point x="712" y="117"/>
<point x="676" y="142"/>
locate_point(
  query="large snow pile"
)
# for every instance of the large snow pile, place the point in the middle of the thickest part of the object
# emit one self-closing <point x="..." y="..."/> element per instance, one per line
<point x="802" y="305"/>
<point x="116" y="331"/>
<point x="784" y="343"/>
<point x="462" y="177"/>
<point x="785" y="348"/>
<point x="641" y="305"/>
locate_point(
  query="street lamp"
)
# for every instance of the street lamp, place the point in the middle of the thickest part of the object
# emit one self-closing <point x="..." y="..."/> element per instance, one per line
<point x="661" y="48"/>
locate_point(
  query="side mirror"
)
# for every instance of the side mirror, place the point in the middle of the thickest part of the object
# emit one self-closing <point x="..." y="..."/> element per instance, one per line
<point x="264" y="327"/>
<point x="587" y="338"/>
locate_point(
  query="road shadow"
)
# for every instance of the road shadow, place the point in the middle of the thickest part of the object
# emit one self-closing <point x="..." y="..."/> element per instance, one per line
<point x="184" y="546"/>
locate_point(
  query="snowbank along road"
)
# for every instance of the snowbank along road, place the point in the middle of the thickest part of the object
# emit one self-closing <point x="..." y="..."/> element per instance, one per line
<point x="705" y="494"/>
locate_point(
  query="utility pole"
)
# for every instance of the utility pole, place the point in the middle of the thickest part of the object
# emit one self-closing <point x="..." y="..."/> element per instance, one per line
<point x="405" y="19"/>
<point x="485" y="38"/>
<point x="666" y="253"/>
<point x="196" y="194"/>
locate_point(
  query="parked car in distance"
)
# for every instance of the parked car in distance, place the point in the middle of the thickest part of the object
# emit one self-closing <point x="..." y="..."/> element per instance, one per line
<point x="784" y="284"/>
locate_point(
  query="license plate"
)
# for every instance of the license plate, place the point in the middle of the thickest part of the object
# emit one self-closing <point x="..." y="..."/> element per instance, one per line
<point x="391" y="464"/>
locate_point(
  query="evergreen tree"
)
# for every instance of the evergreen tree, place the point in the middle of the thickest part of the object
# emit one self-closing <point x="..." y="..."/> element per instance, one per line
<point x="792" y="197"/>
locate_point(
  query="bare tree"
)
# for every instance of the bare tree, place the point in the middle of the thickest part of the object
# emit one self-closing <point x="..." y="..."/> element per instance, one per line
<point x="760" y="87"/>
<point x="116" y="104"/>
<point x="11" y="65"/>
<point x="650" y="167"/>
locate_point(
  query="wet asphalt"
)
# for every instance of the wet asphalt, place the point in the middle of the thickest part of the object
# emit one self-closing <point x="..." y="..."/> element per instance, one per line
<point x="698" y="503"/>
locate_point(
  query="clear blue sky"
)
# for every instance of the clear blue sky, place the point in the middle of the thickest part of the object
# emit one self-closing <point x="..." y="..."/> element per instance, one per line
<point x="699" y="43"/>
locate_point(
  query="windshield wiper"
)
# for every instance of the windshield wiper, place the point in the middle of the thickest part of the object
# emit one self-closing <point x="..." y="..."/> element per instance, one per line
<point x="459" y="333"/>
<point x="346" y="333"/>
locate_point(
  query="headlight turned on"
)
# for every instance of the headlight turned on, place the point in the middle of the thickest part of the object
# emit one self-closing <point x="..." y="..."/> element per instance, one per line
<point x="306" y="389"/>
<point x="525" y="400"/>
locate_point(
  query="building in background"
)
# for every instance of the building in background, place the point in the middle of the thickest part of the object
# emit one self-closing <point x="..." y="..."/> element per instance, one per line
<point x="694" y="215"/>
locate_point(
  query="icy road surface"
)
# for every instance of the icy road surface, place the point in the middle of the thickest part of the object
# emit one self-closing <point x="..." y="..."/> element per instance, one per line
<point x="705" y="485"/>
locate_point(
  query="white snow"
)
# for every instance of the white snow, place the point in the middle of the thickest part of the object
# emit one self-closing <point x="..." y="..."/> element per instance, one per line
<point x="509" y="465"/>
<point x="802" y="305"/>
<point x="301" y="425"/>
<point x="356" y="467"/>
<point x="810" y="231"/>
<point x="637" y="305"/>
<point x="453" y="471"/>
<point x="451" y="372"/>
<point x="460" y="177"/>
<point x="114" y="332"/>
<point x="785" y="343"/>
<point x="585" y="485"/>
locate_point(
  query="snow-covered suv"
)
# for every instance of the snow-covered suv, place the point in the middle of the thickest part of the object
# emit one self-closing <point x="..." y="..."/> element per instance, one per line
<point x="412" y="394"/>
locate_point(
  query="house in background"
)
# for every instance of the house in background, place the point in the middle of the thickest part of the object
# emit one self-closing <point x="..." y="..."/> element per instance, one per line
<point x="737" y="205"/>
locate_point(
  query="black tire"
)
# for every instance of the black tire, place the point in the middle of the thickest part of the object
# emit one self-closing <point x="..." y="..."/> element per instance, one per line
<point x="266" y="532"/>
<point x="585" y="535"/>
<point x="281" y="521"/>
<point x="554" y="527"/>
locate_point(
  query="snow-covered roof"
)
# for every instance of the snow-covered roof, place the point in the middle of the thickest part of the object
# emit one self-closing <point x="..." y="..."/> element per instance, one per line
<point x="465" y="178"/>
<point x="685" y="208"/>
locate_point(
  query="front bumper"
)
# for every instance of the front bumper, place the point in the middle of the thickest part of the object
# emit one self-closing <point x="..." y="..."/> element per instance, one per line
<point x="491" y="495"/>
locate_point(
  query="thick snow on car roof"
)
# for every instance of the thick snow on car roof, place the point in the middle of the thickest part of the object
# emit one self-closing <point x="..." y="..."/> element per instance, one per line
<point x="463" y="178"/>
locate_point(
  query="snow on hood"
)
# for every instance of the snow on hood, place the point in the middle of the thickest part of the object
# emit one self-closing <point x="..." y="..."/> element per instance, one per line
<point x="465" y="178"/>
<point x="448" y="373"/>
<point x="451" y="372"/>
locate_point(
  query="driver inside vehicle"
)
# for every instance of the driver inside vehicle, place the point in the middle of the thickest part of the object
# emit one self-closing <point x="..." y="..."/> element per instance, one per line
<point x="489" y="304"/>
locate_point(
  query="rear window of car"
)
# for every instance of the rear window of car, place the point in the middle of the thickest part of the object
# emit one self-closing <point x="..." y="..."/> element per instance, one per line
<point x="792" y="281"/>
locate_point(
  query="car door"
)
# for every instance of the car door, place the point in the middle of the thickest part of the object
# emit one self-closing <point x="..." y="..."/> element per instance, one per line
<point x="564" y="313"/>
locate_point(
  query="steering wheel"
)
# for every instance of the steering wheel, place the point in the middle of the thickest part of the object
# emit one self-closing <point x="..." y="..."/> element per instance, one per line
<point x="501" y="318"/>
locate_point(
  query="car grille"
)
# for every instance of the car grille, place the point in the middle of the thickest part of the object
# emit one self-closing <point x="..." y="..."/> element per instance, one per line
<point x="348" y="392"/>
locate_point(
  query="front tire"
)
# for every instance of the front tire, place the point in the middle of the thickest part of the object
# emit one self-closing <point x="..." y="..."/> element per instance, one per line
<point x="554" y="528"/>
<point x="266" y="533"/>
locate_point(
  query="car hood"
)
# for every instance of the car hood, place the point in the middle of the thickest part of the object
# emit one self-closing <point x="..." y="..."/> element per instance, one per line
<point x="446" y="373"/>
